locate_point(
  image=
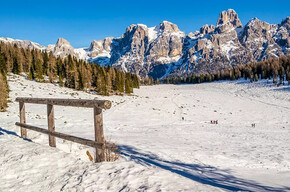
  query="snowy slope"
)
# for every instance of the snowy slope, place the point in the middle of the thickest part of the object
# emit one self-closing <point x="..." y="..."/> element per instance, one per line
<point x="160" y="151"/>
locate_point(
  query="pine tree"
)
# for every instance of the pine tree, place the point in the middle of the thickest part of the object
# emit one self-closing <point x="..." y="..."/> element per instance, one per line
<point x="108" y="81"/>
<point x="27" y="60"/>
<point x="120" y="82"/>
<point x="3" y="92"/>
<point x="101" y="86"/>
<point x="39" y="69"/>
<point x="31" y="74"/>
<point x="16" y="66"/>
<point x="128" y="84"/>
<point x="3" y="65"/>
<point x="60" y="81"/>
<point x="45" y="64"/>
<point x="81" y="79"/>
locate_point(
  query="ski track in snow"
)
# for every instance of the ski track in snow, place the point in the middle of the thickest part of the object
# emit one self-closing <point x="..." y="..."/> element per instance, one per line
<point x="160" y="151"/>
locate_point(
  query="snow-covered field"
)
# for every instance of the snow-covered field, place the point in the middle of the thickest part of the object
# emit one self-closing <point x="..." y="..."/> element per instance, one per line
<point x="160" y="150"/>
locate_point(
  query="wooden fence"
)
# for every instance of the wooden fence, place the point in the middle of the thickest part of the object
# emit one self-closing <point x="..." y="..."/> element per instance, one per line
<point x="97" y="105"/>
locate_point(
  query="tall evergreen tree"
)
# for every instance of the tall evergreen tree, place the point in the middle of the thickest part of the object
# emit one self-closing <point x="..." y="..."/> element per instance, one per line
<point x="3" y="92"/>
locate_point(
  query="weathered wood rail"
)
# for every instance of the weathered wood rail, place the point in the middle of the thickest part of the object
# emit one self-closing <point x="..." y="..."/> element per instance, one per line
<point x="97" y="105"/>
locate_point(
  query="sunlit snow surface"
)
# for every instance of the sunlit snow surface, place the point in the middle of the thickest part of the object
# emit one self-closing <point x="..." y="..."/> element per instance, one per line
<point x="160" y="151"/>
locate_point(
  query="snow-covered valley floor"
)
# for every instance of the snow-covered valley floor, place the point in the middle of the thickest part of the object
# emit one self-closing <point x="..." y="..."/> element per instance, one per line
<point x="160" y="150"/>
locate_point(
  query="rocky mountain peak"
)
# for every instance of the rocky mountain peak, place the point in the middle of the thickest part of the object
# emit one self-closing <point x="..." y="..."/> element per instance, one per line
<point x="286" y="23"/>
<point x="63" y="48"/>
<point x="257" y="24"/>
<point x="62" y="41"/>
<point x="131" y="30"/>
<point x="282" y="35"/>
<point x="142" y="26"/>
<point x="107" y="43"/>
<point x="168" y="26"/>
<point x="229" y="16"/>
<point x="95" y="45"/>
<point x="100" y="47"/>
<point x="254" y="20"/>
<point x="206" y="29"/>
<point x="227" y="20"/>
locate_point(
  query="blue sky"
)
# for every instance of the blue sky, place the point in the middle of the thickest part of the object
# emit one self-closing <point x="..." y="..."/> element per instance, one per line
<point x="82" y="21"/>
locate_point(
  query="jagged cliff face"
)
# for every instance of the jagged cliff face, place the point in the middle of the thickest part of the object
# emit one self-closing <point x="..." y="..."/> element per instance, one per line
<point x="213" y="47"/>
<point x="99" y="51"/>
<point x="257" y="37"/>
<point x="229" y="43"/>
<point x="128" y="50"/>
<point x="144" y="50"/>
<point x="282" y="37"/>
<point x="63" y="48"/>
<point x="165" y="51"/>
<point x="101" y="47"/>
<point x="228" y="20"/>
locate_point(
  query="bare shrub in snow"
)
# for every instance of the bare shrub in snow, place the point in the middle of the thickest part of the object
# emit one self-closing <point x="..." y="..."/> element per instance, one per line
<point x="112" y="152"/>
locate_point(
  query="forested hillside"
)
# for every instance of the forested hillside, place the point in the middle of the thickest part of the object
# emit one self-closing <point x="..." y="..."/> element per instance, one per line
<point x="69" y="72"/>
<point x="276" y="69"/>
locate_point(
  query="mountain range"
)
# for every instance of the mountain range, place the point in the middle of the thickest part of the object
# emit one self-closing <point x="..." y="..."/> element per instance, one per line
<point x="165" y="51"/>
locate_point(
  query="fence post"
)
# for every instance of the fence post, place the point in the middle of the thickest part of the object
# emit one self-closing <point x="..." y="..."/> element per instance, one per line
<point x="22" y="119"/>
<point x="99" y="133"/>
<point x="51" y="125"/>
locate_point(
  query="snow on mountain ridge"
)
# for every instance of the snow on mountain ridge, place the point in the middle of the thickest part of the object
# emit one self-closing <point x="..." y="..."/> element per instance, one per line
<point x="22" y="43"/>
<point x="152" y="33"/>
<point x="153" y="51"/>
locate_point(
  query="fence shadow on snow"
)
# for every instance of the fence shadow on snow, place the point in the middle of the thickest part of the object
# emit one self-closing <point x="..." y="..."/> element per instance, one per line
<point x="221" y="178"/>
<point x="209" y="175"/>
<point x="4" y="131"/>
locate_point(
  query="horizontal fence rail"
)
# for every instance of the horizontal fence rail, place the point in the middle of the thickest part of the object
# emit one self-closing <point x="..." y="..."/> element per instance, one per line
<point x="61" y="135"/>
<point x="97" y="105"/>
<point x="103" y="104"/>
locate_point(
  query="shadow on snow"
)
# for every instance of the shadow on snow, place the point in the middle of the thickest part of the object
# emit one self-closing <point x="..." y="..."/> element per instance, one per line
<point x="4" y="131"/>
<point x="283" y="89"/>
<point x="205" y="174"/>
